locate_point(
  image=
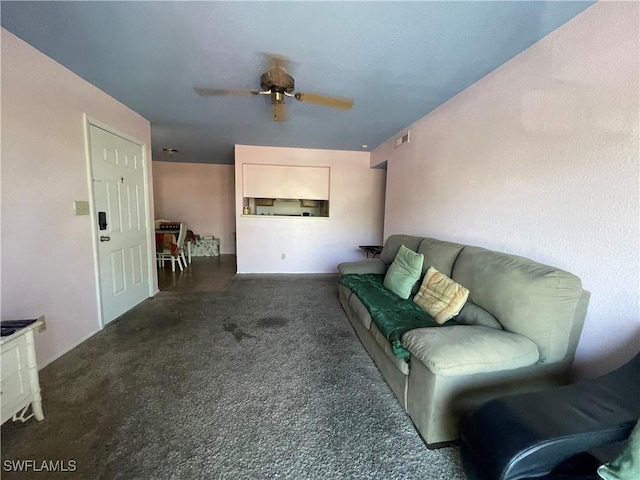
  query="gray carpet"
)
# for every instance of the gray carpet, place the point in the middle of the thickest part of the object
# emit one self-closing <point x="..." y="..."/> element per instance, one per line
<point x="265" y="380"/>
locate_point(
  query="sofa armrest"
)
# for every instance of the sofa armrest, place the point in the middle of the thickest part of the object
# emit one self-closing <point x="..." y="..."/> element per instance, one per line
<point x="466" y="349"/>
<point x="372" y="265"/>
<point x="528" y="435"/>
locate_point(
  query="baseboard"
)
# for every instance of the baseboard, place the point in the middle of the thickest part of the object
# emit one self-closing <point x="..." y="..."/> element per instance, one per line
<point x="66" y="350"/>
<point x="334" y="273"/>
<point x="83" y="339"/>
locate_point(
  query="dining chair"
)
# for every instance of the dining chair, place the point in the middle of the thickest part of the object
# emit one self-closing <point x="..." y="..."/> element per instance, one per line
<point x="160" y="221"/>
<point x="165" y="254"/>
<point x="181" y="238"/>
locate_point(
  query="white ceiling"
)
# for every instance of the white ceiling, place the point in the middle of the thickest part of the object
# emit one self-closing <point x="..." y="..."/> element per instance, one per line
<point x="398" y="60"/>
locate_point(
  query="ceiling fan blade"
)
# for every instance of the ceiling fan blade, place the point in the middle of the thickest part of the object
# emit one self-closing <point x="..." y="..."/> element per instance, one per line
<point x="327" y="101"/>
<point x="279" y="111"/>
<point x="275" y="60"/>
<point x="223" y="91"/>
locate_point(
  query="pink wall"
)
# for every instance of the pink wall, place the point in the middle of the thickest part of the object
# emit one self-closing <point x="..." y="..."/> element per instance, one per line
<point x="201" y="195"/>
<point x="47" y="252"/>
<point x="312" y="245"/>
<point x="540" y="158"/>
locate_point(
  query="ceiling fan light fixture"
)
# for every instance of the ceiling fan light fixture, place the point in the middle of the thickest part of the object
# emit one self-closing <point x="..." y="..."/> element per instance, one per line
<point x="170" y="151"/>
<point x="278" y="78"/>
<point x="279" y="111"/>
<point x="277" y="97"/>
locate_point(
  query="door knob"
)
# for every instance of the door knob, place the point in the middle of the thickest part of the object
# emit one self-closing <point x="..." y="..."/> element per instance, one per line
<point x="104" y="238"/>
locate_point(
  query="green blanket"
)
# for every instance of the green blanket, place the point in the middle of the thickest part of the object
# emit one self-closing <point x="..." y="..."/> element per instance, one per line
<point x="392" y="315"/>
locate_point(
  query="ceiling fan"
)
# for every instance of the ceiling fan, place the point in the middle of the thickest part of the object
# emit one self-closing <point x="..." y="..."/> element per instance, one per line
<point x="278" y="85"/>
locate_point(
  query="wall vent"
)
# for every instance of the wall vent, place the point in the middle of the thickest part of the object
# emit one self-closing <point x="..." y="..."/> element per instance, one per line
<point x="402" y="140"/>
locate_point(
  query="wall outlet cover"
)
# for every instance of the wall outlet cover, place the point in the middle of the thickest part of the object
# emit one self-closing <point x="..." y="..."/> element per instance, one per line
<point x="80" y="207"/>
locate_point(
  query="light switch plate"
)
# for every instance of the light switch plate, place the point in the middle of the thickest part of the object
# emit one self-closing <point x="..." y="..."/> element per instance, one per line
<point x="80" y="207"/>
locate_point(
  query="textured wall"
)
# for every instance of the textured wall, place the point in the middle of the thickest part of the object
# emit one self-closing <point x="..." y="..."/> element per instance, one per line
<point x="201" y="195"/>
<point x="356" y="199"/>
<point x="540" y="158"/>
<point x="47" y="252"/>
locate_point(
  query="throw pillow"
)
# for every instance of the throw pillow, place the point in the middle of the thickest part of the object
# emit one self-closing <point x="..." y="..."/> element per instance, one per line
<point x="404" y="272"/>
<point x="625" y="466"/>
<point x="440" y="297"/>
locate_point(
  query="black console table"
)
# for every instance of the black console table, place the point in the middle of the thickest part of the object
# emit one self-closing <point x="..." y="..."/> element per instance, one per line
<point x="371" y="249"/>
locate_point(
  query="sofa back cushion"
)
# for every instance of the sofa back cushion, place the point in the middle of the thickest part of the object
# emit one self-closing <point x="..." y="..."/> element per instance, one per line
<point x="439" y="254"/>
<point x="527" y="297"/>
<point x="393" y="243"/>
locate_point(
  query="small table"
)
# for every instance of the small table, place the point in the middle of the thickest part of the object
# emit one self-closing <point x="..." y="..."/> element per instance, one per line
<point x="371" y="249"/>
<point x="20" y="385"/>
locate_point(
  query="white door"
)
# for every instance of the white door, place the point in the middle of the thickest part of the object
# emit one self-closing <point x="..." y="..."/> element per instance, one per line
<point x="117" y="174"/>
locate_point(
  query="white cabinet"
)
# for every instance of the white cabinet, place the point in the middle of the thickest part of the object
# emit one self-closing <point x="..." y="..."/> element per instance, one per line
<point x="285" y="181"/>
<point x="19" y="384"/>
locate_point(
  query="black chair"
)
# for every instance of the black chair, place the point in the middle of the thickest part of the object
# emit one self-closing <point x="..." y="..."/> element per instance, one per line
<point x="547" y="435"/>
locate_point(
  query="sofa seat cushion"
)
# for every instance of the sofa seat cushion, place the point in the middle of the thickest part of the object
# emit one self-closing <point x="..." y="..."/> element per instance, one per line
<point x="400" y="363"/>
<point x="360" y="311"/>
<point x="466" y="349"/>
<point x="391" y="314"/>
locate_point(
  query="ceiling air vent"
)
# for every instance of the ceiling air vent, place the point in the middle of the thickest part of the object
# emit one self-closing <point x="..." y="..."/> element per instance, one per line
<point x="403" y="139"/>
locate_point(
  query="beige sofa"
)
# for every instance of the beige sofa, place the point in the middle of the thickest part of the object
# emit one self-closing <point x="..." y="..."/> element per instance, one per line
<point x="452" y="369"/>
